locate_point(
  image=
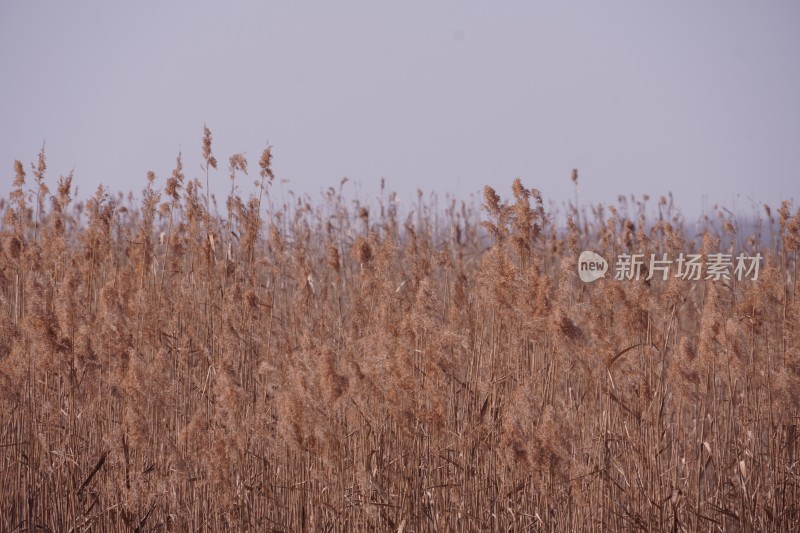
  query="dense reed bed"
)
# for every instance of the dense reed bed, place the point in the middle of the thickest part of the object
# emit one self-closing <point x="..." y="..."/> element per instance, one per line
<point x="167" y="364"/>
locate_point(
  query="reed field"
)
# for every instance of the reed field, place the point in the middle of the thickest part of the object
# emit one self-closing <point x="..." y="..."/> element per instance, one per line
<point x="170" y="362"/>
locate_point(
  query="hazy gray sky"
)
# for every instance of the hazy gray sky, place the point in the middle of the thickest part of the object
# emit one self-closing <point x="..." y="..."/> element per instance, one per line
<point x="697" y="98"/>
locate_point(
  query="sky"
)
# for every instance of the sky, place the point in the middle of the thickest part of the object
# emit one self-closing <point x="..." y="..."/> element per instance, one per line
<point x="694" y="98"/>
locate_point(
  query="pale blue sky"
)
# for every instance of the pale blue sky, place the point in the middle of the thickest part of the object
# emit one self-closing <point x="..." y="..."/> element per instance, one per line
<point x="697" y="98"/>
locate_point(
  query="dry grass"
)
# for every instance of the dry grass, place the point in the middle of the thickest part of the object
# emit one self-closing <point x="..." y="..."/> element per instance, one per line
<point x="332" y="367"/>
